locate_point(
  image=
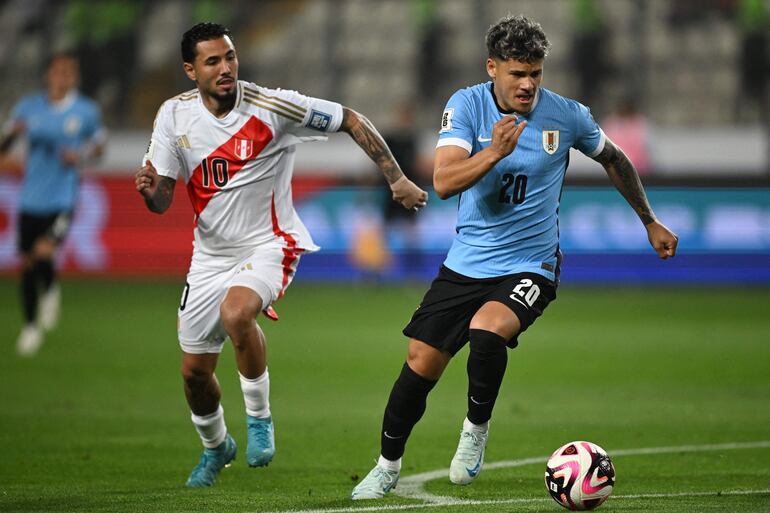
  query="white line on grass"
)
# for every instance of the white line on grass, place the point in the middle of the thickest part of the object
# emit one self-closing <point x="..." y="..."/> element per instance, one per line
<point x="412" y="487"/>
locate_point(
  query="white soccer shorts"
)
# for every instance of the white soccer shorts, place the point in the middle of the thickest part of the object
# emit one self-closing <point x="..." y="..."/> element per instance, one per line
<point x="268" y="271"/>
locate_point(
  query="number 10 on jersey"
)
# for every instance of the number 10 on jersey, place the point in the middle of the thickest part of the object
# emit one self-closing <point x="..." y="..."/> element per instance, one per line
<point x="215" y="170"/>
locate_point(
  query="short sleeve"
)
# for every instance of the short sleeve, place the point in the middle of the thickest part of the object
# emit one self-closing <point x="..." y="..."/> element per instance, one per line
<point x="456" y="127"/>
<point x="95" y="131"/>
<point x="304" y="117"/>
<point x="162" y="148"/>
<point x="589" y="138"/>
<point x="19" y="114"/>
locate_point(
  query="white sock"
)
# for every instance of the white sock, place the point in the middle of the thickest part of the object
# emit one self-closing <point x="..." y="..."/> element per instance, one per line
<point x="393" y="466"/>
<point x="476" y="428"/>
<point x="256" y="395"/>
<point x="211" y="427"/>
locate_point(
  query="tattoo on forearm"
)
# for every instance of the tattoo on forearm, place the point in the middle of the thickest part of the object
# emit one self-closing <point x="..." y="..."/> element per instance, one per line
<point x="369" y="139"/>
<point x="626" y="180"/>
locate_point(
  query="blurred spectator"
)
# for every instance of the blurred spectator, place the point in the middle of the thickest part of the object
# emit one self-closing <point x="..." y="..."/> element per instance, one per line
<point x="629" y="130"/>
<point x="63" y="132"/>
<point x="754" y="21"/>
<point x="589" y="48"/>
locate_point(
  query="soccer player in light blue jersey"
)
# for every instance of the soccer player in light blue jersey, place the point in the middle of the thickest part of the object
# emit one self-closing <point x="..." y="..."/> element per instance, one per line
<point x="503" y="149"/>
<point x="63" y="131"/>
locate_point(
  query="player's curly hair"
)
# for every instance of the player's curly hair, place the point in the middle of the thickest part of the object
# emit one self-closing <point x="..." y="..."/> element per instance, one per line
<point x="204" y="31"/>
<point x="517" y="38"/>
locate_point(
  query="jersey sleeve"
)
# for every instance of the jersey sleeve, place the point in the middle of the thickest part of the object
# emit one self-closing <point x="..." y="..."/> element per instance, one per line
<point x="162" y="149"/>
<point x="456" y="126"/>
<point x="303" y="118"/>
<point x="95" y="132"/>
<point x="19" y="114"/>
<point x="589" y="138"/>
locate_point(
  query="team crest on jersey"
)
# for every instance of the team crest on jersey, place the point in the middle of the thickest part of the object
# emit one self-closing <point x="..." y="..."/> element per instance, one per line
<point x="244" y="148"/>
<point x="71" y="125"/>
<point x="550" y="141"/>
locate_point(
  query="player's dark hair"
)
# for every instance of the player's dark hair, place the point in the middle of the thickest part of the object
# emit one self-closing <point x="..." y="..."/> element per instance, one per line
<point x="204" y="31"/>
<point x="517" y="38"/>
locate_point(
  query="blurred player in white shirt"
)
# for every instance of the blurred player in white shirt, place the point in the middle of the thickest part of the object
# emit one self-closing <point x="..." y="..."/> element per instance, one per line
<point x="232" y="142"/>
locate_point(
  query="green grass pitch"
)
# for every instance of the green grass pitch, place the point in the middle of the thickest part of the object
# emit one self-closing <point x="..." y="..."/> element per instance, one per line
<point x="97" y="421"/>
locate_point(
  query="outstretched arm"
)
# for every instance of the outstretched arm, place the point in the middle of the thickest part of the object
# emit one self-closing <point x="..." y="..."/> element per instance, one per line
<point x="369" y="139"/>
<point x="626" y="180"/>
<point x="157" y="191"/>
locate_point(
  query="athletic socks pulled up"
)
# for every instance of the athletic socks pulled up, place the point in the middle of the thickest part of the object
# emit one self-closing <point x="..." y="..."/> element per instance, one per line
<point x="406" y="406"/>
<point x="487" y="361"/>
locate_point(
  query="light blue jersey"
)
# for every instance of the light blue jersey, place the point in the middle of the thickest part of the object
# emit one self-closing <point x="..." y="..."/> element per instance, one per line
<point x="508" y="221"/>
<point x="50" y="186"/>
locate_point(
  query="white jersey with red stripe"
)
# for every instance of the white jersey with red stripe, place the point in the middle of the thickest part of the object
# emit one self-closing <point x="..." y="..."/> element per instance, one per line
<point x="238" y="168"/>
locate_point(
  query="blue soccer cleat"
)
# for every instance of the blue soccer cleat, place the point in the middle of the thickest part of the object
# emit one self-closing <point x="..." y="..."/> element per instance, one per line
<point x="261" y="437"/>
<point x="211" y="463"/>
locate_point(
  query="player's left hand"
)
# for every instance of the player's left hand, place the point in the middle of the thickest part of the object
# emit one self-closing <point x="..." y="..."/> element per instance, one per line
<point x="663" y="240"/>
<point x="69" y="157"/>
<point x="408" y="194"/>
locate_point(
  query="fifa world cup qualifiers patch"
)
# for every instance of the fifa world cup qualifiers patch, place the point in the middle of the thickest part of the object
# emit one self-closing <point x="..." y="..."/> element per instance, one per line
<point x="446" y="120"/>
<point x="319" y="121"/>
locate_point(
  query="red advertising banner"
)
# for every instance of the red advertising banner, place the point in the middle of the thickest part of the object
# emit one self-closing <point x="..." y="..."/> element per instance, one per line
<point x="113" y="233"/>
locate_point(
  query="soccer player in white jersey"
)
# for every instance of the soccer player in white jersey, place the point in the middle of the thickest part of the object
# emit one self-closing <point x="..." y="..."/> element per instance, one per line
<point x="232" y="142"/>
<point x="503" y="148"/>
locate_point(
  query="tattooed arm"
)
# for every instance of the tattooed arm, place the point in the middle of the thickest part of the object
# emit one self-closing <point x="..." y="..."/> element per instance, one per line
<point x="157" y="191"/>
<point x="626" y="180"/>
<point x="369" y="139"/>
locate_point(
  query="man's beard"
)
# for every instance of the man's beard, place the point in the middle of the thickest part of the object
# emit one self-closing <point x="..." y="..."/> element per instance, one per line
<point x="225" y="98"/>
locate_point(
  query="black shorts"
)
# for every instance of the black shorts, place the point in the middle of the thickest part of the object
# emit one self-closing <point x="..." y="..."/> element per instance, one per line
<point x="32" y="227"/>
<point x="443" y="317"/>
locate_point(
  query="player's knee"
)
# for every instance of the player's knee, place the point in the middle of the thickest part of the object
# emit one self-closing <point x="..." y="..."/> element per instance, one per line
<point x="426" y="361"/>
<point x="236" y="317"/>
<point x="195" y="377"/>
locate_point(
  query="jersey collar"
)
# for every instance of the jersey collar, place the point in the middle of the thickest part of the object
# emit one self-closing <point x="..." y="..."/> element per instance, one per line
<point x="65" y="103"/>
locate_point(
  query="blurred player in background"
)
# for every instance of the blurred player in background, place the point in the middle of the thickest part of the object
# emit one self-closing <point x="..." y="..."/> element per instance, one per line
<point x="63" y="132"/>
<point x="232" y="142"/>
<point x="504" y="147"/>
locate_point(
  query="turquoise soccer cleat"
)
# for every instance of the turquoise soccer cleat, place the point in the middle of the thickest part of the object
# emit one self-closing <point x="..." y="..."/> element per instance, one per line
<point x="261" y="441"/>
<point x="211" y="463"/>
<point x="376" y="484"/>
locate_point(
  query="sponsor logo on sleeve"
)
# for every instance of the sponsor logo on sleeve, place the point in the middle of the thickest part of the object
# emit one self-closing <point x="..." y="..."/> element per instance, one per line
<point x="446" y="120"/>
<point x="319" y="121"/>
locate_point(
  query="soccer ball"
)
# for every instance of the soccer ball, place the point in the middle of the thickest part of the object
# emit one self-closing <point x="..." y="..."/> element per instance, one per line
<point x="579" y="475"/>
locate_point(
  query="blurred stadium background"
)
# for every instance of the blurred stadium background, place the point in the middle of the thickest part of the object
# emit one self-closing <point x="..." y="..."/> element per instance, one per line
<point x="97" y="421"/>
<point x="692" y="73"/>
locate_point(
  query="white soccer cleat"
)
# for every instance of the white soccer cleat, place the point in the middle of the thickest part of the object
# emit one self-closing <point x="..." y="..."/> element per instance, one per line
<point x="49" y="308"/>
<point x="376" y="484"/>
<point x="469" y="457"/>
<point x="29" y="341"/>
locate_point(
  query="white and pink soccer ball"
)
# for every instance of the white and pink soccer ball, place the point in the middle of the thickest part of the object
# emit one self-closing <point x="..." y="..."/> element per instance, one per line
<point x="580" y="476"/>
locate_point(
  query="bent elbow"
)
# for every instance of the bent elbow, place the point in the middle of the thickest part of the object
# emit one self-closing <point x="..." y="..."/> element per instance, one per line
<point x="440" y="188"/>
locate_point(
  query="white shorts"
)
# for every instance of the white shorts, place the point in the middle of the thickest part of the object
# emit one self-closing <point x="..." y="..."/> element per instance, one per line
<point x="268" y="271"/>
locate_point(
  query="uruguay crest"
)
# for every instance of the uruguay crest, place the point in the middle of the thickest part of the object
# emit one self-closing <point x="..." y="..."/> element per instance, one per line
<point x="550" y="141"/>
<point x="244" y="148"/>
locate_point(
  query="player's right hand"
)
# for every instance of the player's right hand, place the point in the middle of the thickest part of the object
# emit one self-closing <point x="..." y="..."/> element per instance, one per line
<point x="146" y="179"/>
<point x="408" y="194"/>
<point x="505" y="135"/>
